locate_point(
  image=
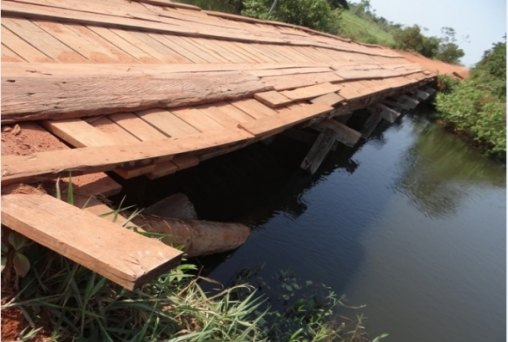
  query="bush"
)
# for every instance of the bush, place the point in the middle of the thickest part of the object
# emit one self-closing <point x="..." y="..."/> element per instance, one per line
<point x="478" y="105"/>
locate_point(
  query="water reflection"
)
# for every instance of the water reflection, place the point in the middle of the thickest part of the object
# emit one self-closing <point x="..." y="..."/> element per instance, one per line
<point x="439" y="170"/>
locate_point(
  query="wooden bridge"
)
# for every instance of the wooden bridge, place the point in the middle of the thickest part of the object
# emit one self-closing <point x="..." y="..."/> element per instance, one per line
<point x="152" y="87"/>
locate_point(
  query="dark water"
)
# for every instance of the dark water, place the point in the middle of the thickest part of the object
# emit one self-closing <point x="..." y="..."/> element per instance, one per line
<point x="412" y="224"/>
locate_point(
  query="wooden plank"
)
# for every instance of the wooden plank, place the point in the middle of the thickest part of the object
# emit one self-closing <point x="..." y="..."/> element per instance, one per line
<point x="186" y="161"/>
<point x="123" y="256"/>
<point x="309" y="92"/>
<point x="78" y="133"/>
<point x="22" y="48"/>
<point x="129" y="172"/>
<point x="137" y="126"/>
<point x="209" y="52"/>
<point x="343" y="133"/>
<point x="43" y="96"/>
<point x="285" y="82"/>
<point x="42" y="40"/>
<point x="214" y="113"/>
<point x="171" y="4"/>
<point x="10" y="56"/>
<point x="167" y="122"/>
<point x="119" y="135"/>
<point x="150" y="45"/>
<point x="330" y="99"/>
<point x="181" y="46"/>
<point x="254" y="108"/>
<point x="290" y="71"/>
<point x="273" y="98"/>
<point x="318" y="151"/>
<point x="104" y="158"/>
<point x="93" y="51"/>
<point x="93" y="38"/>
<point x="286" y="117"/>
<point x="122" y="44"/>
<point x="138" y="69"/>
<point x="197" y="119"/>
<point x="233" y="112"/>
<point x="163" y="169"/>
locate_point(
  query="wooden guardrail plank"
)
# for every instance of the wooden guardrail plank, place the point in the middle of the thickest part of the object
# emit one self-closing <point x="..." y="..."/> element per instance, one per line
<point x="123" y="256"/>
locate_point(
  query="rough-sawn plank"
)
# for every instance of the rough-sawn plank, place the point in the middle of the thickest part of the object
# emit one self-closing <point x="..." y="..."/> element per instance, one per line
<point x="78" y="94"/>
<point x="123" y="256"/>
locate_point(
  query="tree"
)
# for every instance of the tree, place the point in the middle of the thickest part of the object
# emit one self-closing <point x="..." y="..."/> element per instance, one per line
<point x="315" y="14"/>
<point x="448" y="50"/>
<point x="338" y="3"/>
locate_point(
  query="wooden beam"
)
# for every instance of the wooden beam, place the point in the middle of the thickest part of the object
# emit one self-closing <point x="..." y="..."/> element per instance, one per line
<point x="319" y="150"/>
<point x="387" y="113"/>
<point x="410" y="101"/>
<point x="422" y="95"/>
<point x="344" y="134"/>
<point x="123" y="256"/>
<point x="397" y="105"/>
<point x="105" y="158"/>
<point x="429" y="89"/>
<point x="77" y="94"/>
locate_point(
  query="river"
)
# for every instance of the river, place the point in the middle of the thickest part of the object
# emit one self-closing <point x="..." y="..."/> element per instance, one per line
<point x="411" y="224"/>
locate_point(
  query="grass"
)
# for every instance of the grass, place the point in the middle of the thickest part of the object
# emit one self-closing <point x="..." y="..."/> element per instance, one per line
<point x="363" y="30"/>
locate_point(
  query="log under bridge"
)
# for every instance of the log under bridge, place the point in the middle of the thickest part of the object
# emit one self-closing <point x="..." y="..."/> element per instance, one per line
<point x="151" y="87"/>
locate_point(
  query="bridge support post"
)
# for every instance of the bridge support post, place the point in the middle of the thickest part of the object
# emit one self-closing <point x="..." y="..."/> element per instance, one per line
<point x="372" y="121"/>
<point x="319" y="150"/>
<point x="422" y="95"/>
<point x="388" y="114"/>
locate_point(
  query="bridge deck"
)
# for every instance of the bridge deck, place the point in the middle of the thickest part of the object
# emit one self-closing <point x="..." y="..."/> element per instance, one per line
<point x="151" y="87"/>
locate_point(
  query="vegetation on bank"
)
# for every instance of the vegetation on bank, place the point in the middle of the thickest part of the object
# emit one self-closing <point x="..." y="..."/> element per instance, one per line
<point x="477" y="106"/>
<point x="63" y="301"/>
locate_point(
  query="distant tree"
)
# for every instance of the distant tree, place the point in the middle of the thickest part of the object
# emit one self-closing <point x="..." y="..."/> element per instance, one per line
<point x="409" y="38"/>
<point x="448" y="50"/>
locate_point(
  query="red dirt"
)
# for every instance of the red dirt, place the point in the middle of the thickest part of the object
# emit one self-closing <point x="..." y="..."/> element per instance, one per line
<point x="439" y="67"/>
<point x="29" y="138"/>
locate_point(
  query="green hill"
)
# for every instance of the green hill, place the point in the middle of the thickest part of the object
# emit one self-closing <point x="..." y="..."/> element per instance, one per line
<point x="363" y="30"/>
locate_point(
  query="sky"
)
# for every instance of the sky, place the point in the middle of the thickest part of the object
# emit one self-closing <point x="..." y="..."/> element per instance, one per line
<point x="483" y="22"/>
